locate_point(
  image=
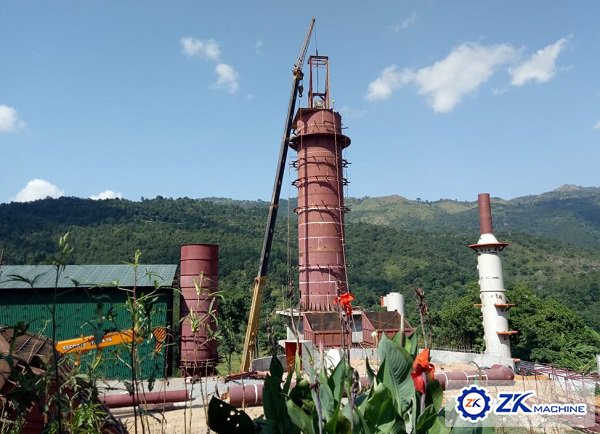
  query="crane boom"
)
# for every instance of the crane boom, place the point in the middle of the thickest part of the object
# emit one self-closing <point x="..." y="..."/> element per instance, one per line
<point x="84" y="344"/>
<point x="259" y="281"/>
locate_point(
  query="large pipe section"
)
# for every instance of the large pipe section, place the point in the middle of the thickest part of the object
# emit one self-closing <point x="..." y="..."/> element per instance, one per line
<point x="127" y="400"/>
<point x="321" y="243"/>
<point x="248" y="395"/>
<point x="199" y="281"/>
<point x="491" y="284"/>
<point x="497" y="374"/>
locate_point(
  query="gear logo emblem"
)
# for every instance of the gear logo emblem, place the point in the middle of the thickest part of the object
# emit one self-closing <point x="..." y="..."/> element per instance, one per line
<point x="473" y="403"/>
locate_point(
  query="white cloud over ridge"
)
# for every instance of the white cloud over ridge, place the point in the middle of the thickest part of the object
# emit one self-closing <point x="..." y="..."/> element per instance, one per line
<point x="259" y="47"/>
<point x="540" y="67"/>
<point x="38" y="189"/>
<point x="107" y="194"/>
<point x="9" y="120"/>
<point x="352" y="113"/>
<point x="447" y="81"/>
<point x="405" y="23"/>
<point x="202" y="48"/>
<point x="383" y="86"/>
<point x="227" y="77"/>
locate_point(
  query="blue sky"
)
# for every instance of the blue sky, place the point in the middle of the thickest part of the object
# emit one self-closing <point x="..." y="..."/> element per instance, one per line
<point x="441" y="99"/>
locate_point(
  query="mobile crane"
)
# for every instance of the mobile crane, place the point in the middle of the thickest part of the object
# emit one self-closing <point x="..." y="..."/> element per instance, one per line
<point x="260" y="280"/>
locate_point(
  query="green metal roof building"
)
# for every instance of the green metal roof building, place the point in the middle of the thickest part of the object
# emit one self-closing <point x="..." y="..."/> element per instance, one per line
<point x="92" y="300"/>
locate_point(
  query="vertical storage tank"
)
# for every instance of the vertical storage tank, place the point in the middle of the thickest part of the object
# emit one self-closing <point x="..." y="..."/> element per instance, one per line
<point x="199" y="281"/>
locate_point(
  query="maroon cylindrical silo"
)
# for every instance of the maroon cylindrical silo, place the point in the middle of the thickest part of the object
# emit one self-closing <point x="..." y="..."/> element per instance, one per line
<point x="322" y="264"/>
<point x="199" y="281"/>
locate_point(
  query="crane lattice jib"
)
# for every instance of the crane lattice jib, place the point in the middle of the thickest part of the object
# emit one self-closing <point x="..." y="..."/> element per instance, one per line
<point x="259" y="281"/>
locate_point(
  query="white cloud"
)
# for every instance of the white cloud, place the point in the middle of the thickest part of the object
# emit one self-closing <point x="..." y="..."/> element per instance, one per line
<point x="597" y="126"/>
<point x="38" y="189"/>
<point x="352" y="113"/>
<point x="405" y="23"/>
<point x="447" y="81"/>
<point x="259" y="47"/>
<point x="107" y="194"/>
<point x="540" y="67"/>
<point x="9" y="120"/>
<point x="228" y="77"/>
<point x="382" y="87"/>
<point x="203" y="48"/>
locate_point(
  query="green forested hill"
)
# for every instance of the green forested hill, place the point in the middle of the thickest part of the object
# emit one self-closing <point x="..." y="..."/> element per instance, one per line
<point x="568" y="214"/>
<point x="393" y="244"/>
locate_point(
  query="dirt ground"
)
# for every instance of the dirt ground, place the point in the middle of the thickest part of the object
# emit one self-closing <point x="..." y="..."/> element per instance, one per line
<point x="180" y="418"/>
<point x="173" y="420"/>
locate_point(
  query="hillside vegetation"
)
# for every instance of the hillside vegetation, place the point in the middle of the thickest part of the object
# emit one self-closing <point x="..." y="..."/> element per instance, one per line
<point x="568" y="214"/>
<point x="394" y="244"/>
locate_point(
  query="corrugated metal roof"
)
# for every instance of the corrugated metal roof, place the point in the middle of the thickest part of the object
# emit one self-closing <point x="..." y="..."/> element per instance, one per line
<point x="43" y="276"/>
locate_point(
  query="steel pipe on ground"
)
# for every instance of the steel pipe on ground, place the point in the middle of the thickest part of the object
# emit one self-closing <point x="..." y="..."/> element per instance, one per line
<point x="459" y="379"/>
<point x="249" y="395"/>
<point x="126" y="400"/>
<point x="246" y="395"/>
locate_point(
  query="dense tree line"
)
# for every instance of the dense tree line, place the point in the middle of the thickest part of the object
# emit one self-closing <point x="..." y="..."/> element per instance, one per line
<point x="548" y="331"/>
<point x="383" y="255"/>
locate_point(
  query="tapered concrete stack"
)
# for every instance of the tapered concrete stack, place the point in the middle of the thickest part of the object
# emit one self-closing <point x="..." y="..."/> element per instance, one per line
<point x="494" y="306"/>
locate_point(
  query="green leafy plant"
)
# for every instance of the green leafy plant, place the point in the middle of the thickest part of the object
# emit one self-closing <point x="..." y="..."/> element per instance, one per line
<point x="403" y="397"/>
<point x="64" y="392"/>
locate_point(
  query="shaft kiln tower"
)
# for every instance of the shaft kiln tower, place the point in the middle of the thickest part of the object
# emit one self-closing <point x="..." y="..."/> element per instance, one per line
<point x="491" y="284"/>
<point x="321" y="241"/>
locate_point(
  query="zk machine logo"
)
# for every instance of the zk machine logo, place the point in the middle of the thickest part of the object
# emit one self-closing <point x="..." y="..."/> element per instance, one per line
<point x="475" y="404"/>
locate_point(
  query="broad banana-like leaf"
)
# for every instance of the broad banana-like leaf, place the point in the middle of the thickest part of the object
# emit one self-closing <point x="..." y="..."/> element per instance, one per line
<point x="337" y="380"/>
<point x="224" y="418"/>
<point x="305" y="422"/>
<point x="426" y="420"/>
<point x="276" y="412"/>
<point x="396" y="366"/>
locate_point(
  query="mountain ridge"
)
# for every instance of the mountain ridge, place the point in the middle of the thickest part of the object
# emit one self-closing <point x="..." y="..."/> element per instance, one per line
<point x="393" y="243"/>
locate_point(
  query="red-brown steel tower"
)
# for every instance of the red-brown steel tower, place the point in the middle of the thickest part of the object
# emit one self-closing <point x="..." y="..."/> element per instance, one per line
<point x="321" y="242"/>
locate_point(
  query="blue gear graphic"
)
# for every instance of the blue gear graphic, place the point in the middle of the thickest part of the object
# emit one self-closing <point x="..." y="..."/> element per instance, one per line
<point x="486" y="406"/>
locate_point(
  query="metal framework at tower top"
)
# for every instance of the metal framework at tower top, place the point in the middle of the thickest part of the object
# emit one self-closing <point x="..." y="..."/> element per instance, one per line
<point x="318" y="94"/>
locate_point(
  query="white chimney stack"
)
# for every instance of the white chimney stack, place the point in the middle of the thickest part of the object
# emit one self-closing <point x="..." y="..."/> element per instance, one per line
<point x="491" y="285"/>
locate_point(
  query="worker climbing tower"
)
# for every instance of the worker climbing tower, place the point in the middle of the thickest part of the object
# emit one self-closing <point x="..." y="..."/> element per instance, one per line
<point x="319" y="143"/>
<point x="491" y="285"/>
